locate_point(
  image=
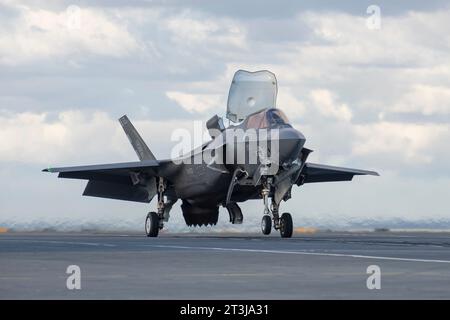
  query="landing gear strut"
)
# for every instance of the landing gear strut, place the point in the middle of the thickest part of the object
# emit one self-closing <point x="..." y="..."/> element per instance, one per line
<point x="283" y="223"/>
<point x="266" y="223"/>
<point x="155" y="220"/>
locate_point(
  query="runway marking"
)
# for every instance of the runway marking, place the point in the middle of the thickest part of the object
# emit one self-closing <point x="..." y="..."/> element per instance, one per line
<point x="303" y="253"/>
<point x="63" y="242"/>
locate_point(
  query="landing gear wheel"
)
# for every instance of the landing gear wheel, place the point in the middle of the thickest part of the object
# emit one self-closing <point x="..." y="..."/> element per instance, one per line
<point x="286" y="225"/>
<point x="152" y="224"/>
<point x="266" y="224"/>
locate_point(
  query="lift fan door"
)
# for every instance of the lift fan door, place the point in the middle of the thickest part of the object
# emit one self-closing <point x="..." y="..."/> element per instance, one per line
<point x="251" y="92"/>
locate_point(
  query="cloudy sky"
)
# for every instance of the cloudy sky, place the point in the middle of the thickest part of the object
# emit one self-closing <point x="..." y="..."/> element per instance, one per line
<point x="370" y="98"/>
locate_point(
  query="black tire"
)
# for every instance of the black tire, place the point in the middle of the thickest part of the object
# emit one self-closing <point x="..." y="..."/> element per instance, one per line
<point x="152" y="225"/>
<point x="286" y="227"/>
<point x="266" y="224"/>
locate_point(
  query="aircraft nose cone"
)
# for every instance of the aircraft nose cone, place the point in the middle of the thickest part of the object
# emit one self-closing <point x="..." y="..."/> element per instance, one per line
<point x="291" y="142"/>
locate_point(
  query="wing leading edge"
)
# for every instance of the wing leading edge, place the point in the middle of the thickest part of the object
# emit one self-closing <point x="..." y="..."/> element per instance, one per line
<point x="313" y="172"/>
<point x="114" y="172"/>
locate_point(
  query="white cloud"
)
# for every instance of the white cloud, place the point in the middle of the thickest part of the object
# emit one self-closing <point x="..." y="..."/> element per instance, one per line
<point x="288" y="102"/>
<point x="77" y="137"/>
<point x="373" y="69"/>
<point x="325" y="102"/>
<point x="189" y="29"/>
<point x="31" y="138"/>
<point x="411" y="143"/>
<point x="41" y="34"/>
<point x="409" y="39"/>
<point x="196" y="102"/>
<point x="425" y="99"/>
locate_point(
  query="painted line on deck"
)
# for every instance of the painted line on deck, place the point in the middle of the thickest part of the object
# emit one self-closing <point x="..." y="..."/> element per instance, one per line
<point x="302" y="253"/>
<point x="94" y="244"/>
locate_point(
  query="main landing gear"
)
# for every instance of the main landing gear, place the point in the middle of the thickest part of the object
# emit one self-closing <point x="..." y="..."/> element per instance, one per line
<point x="155" y="220"/>
<point x="283" y="223"/>
<point x="152" y="224"/>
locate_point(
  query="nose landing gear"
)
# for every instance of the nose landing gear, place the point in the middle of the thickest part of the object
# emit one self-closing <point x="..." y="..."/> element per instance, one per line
<point x="283" y="223"/>
<point x="266" y="224"/>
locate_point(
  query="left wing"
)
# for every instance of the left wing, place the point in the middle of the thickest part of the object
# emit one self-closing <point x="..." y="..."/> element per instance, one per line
<point x="313" y="172"/>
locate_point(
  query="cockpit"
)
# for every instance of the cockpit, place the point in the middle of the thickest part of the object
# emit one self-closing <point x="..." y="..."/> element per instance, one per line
<point x="267" y="118"/>
<point x="251" y="103"/>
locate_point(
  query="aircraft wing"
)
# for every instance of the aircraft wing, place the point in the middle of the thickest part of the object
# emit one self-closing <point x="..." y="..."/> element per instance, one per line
<point x="313" y="172"/>
<point x="116" y="180"/>
<point x="115" y="172"/>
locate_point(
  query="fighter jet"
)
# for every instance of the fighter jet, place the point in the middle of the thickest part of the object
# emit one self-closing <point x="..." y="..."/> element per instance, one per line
<point x="260" y="156"/>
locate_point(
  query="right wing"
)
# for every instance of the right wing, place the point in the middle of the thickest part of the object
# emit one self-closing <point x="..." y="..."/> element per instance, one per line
<point x="132" y="181"/>
<point x="112" y="172"/>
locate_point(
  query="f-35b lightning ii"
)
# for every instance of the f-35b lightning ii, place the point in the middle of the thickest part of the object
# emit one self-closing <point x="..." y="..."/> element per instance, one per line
<point x="261" y="156"/>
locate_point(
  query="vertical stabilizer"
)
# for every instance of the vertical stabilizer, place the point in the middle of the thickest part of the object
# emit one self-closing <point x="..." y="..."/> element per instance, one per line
<point x="136" y="140"/>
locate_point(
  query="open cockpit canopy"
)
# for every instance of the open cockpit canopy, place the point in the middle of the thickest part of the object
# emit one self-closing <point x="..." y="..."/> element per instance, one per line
<point x="251" y="92"/>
